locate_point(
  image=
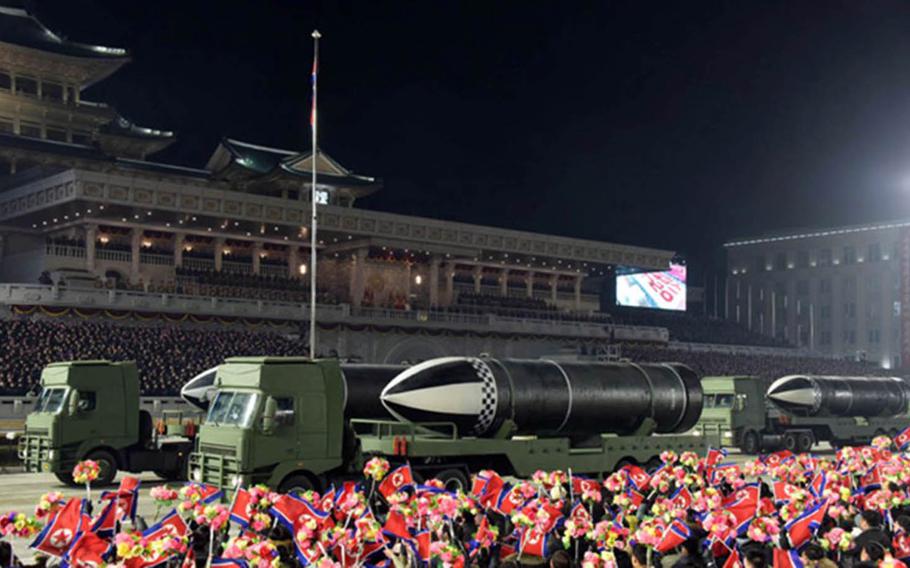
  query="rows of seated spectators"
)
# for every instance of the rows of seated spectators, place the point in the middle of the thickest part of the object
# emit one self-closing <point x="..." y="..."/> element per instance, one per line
<point x="692" y="328"/>
<point x="267" y="287"/>
<point x="511" y="306"/>
<point x="166" y="356"/>
<point x="710" y="363"/>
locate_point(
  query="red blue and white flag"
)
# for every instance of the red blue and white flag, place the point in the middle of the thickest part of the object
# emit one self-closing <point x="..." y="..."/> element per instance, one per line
<point x="126" y="497"/>
<point x="676" y="534"/>
<point x="106" y="523"/>
<point x="396" y="481"/>
<point x="786" y="559"/>
<point x="533" y="542"/>
<point x="241" y="512"/>
<point x="60" y="533"/>
<point x="88" y="551"/>
<point x="803" y="527"/>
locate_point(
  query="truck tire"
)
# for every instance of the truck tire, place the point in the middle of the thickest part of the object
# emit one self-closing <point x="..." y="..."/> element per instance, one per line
<point x="171" y="475"/>
<point x="805" y="441"/>
<point x="453" y="480"/>
<point x="751" y="443"/>
<point x="790" y="442"/>
<point x="107" y="463"/>
<point x="298" y="483"/>
<point x="66" y="478"/>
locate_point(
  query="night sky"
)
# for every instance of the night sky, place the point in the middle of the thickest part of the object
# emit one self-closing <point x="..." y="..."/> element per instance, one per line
<point x="675" y="124"/>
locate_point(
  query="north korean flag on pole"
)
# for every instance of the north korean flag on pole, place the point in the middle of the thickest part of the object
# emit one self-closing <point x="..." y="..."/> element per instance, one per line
<point x="240" y="508"/>
<point x="902" y="440"/>
<point x="786" y="559"/>
<point x="801" y="529"/>
<point x="61" y="531"/>
<point x="171" y="525"/>
<point x="676" y="534"/>
<point x="88" y="551"/>
<point x="396" y="481"/>
<point x="126" y="497"/>
<point x="533" y="542"/>
<point x="106" y="523"/>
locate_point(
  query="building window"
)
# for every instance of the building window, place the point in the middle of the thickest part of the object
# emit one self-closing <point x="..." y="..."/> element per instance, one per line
<point x="849" y="309"/>
<point x="824" y="257"/>
<point x="26" y="86"/>
<point x="802" y="259"/>
<point x="849" y="255"/>
<point x="52" y="91"/>
<point x="826" y="338"/>
<point x="848" y="336"/>
<point x="824" y="286"/>
<point x="875" y="252"/>
<point x="825" y="312"/>
<point x="6" y="82"/>
<point x="81" y="137"/>
<point x="56" y="134"/>
<point x="802" y="287"/>
<point x="6" y="125"/>
<point x="874" y="336"/>
<point x="759" y="263"/>
<point x="28" y="129"/>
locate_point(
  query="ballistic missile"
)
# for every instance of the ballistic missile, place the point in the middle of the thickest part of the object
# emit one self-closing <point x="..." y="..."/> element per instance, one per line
<point x="840" y="396"/>
<point x="363" y="386"/>
<point x="546" y="398"/>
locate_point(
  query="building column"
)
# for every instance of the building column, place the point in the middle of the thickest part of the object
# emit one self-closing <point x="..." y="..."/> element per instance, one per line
<point x="449" y="275"/>
<point x="257" y="259"/>
<point x="219" y="253"/>
<point x="135" y="248"/>
<point x="530" y="284"/>
<point x="578" y="280"/>
<point x="504" y="282"/>
<point x="293" y="261"/>
<point x="357" y="277"/>
<point x="179" y="239"/>
<point x="91" y="236"/>
<point x="435" y="261"/>
<point x="554" y="288"/>
<point x="478" y="278"/>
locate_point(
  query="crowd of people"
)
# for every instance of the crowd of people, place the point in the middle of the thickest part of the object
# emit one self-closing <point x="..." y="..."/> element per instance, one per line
<point x="225" y="284"/>
<point x="693" y="328"/>
<point x="718" y="363"/>
<point x="166" y="356"/>
<point x="849" y="510"/>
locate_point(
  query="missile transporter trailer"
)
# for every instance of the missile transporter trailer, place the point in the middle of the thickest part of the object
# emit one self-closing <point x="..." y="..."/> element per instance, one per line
<point x="89" y="410"/>
<point x="281" y="421"/>
<point x="797" y="412"/>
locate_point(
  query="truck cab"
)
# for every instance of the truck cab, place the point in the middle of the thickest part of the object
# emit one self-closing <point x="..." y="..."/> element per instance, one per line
<point x="273" y="420"/>
<point x="90" y="410"/>
<point x="735" y="408"/>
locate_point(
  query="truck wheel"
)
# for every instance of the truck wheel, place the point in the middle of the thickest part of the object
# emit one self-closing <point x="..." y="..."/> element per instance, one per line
<point x="107" y="464"/>
<point x="750" y="443"/>
<point x="453" y="479"/>
<point x="66" y="478"/>
<point x="299" y="483"/>
<point x="805" y="441"/>
<point x="790" y="442"/>
<point x="171" y="475"/>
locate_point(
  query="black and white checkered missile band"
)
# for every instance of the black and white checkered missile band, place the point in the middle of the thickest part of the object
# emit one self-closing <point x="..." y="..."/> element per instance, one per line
<point x="488" y="399"/>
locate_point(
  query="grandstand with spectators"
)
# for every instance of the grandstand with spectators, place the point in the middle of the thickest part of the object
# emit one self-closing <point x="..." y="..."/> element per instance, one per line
<point x="107" y="253"/>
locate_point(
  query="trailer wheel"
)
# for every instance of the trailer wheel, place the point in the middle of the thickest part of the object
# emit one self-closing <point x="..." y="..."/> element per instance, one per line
<point x="790" y="442"/>
<point x="453" y="480"/>
<point x="751" y="444"/>
<point x="805" y="441"/>
<point x="107" y="464"/>
<point x="299" y="483"/>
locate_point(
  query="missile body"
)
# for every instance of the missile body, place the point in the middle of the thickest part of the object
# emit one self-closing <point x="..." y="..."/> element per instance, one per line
<point x="363" y="385"/>
<point x="840" y="396"/>
<point x="546" y="398"/>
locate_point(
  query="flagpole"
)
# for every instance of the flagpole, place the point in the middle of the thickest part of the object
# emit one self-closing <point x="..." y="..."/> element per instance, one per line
<point x="316" y="35"/>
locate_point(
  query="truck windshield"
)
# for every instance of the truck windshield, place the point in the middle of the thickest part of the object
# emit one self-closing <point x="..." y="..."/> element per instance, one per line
<point x="724" y="401"/>
<point x="50" y="400"/>
<point x="231" y="408"/>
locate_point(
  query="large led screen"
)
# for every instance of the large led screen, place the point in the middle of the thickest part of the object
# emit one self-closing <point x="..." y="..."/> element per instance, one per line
<point x="659" y="290"/>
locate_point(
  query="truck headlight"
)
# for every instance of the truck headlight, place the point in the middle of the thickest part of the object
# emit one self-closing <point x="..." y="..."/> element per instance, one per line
<point x="235" y="480"/>
<point x="51" y="455"/>
<point x="196" y="475"/>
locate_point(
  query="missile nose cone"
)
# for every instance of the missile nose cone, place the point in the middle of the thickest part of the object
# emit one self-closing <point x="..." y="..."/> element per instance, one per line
<point x="794" y="392"/>
<point x="461" y="390"/>
<point x="200" y="390"/>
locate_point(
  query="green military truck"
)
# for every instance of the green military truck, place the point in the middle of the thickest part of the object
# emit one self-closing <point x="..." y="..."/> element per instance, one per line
<point x="90" y="410"/>
<point x="738" y="408"/>
<point x="281" y="421"/>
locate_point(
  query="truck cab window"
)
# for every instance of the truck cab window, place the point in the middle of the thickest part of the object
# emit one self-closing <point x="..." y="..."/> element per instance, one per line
<point x="724" y="401"/>
<point x="285" y="415"/>
<point x="86" y="401"/>
<point x="51" y="400"/>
